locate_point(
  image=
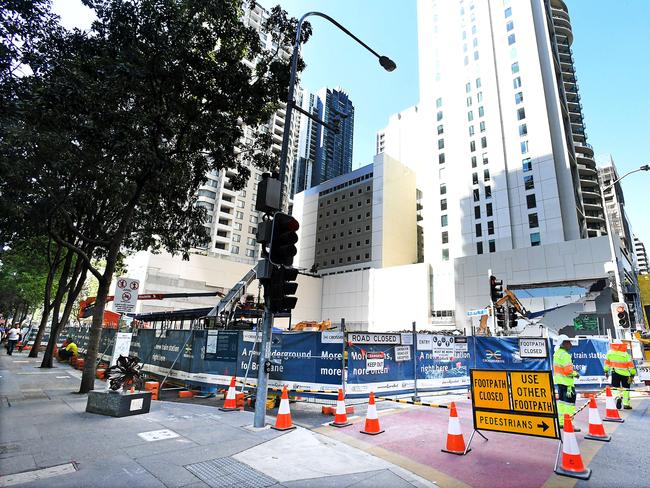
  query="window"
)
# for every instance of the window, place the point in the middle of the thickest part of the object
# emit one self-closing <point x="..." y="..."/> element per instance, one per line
<point x="477" y="195"/>
<point x="441" y="143"/>
<point x="236" y="238"/>
<point x="523" y="130"/>
<point x="443" y="204"/>
<point x="483" y="142"/>
<point x="443" y="189"/>
<point x="488" y="210"/>
<point x="524" y="147"/>
<point x="251" y="241"/>
<point x="515" y="67"/>
<point x="471" y="130"/>
<point x="475" y="55"/>
<point x="529" y="183"/>
<point x="439" y="102"/>
<point x="236" y="226"/>
<point x="481" y="112"/>
<point x="469" y="101"/>
<point x="439" y="116"/>
<point x="478" y="83"/>
<point x="466" y="61"/>
<point x="239" y="215"/>
<point x="445" y="237"/>
<point x="527" y="164"/>
<point x="488" y="191"/>
<point x="468" y="87"/>
<point x="508" y="12"/>
<point x="253" y="219"/>
<point x="470" y="116"/>
<point x="533" y="222"/>
<point x="473" y="29"/>
<point x="521" y="113"/>
<point x="530" y="201"/>
<point x="250" y="253"/>
<point x="479" y="230"/>
<point x="234" y="249"/>
<point x="479" y="97"/>
<point x="485" y="158"/>
<point x="475" y="42"/>
<point x="443" y="221"/>
<point x="519" y="97"/>
<point x="510" y="25"/>
<point x="472" y="146"/>
<point x="473" y="161"/>
<point x="486" y="175"/>
<point x="511" y="39"/>
<point x="477" y="212"/>
<point x="490" y="226"/>
<point x="491" y="246"/>
<point x="535" y="239"/>
<point x="516" y="82"/>
<point x="440" y="129"/>
<point x="475" y="178"/>
<point x="479" y="248"/>
<point x="445" y="254"/>
<point x="482" y="126"/>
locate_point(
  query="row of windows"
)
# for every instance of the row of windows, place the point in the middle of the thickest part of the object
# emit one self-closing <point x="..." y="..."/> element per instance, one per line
<point x="250" y="253"/>
<point x="486" y="176"/>
<point x="350" y="207"/>
<point x="488" y="193"/>
<point x="346" y="184"/>
<point x="350" y="219"/>
<point x="348" y="260"/>
<point x="491" y="246"/>
<point x="488" y="211"/>
<point x="336" y="199"/>
<point x="341" y="246"/>
<point x="341" y="233"/>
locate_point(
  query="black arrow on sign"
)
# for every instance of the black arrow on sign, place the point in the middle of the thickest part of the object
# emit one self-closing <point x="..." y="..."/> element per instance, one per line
<point x="543" y="426"/>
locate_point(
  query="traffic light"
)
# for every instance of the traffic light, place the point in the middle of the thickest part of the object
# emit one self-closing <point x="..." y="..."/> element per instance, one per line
<point x="283" y="239"/>
<point x="500" y="315"/>
<point x="496" y="289"/>
<point x="280" y="289"/>
<point x="512" y="318"/>
<point x="620" y="315"/>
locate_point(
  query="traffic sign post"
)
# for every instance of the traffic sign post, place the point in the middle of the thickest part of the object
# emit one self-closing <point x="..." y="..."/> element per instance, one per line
<point x="514" y="402"/>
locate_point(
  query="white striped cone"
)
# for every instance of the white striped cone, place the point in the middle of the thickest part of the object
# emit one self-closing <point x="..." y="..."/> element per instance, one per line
<point x="231" y="398"/>
<point x="372" y="419"/>
<point x="571" y="464"/>
<point x="283" y="420"/>
<point x="455" y="439"/>
<point x="341" y="416"/>
<point x="596" y="427"/>
<point x="611" y="412"/>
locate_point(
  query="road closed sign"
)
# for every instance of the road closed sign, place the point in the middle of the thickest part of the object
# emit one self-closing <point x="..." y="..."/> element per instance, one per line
<point x="515" y="402"/>
<point x="126" y="295"/>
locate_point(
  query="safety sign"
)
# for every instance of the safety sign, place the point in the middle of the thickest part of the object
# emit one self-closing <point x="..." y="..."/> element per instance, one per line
<point x="375" y="361"/>
<point x="126" y="295"/>
<point x="402" y="353"/>
<point x="516" y="402"/>
<point x="533" y="347"/>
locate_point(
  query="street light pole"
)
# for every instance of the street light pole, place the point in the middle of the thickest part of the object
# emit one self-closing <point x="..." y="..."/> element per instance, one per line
<point x="265" y="346"/>
<point x="610" y="236"/>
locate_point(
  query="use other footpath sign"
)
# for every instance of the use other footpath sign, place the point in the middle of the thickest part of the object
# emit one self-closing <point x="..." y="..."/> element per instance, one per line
<point x="515" y="402"/>
<point x="126" y="295"/>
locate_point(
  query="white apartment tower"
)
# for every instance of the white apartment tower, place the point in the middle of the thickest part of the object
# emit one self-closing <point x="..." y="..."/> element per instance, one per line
<point x="231" y="216"/>
<point x="502" y="139"/>
<point x="641" y="256"/>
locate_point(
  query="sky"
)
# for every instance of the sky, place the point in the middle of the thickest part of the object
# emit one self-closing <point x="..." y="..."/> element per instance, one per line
<point x="610" y="52"/>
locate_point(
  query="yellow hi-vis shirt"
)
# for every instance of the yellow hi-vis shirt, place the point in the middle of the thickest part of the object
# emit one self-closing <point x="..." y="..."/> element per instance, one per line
<point x="72" y="347"/>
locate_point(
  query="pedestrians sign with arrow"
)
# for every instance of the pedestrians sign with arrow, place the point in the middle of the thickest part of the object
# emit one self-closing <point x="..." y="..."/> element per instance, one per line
<point x="515" y="402"/>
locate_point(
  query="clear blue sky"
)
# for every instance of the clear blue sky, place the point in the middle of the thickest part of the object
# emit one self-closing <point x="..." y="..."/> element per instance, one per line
<point x="611" y="42"/>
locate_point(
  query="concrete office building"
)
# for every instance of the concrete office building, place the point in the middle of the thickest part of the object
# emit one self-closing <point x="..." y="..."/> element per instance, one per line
<point x="641" y="256"/>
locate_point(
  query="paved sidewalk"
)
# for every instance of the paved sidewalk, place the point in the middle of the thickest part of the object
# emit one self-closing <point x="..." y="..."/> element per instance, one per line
<point x="43" y="424"/>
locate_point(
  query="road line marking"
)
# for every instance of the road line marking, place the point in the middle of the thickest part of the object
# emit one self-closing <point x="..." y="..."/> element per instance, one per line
<point x="62" y="377"/>
<point x="35" y="475"/>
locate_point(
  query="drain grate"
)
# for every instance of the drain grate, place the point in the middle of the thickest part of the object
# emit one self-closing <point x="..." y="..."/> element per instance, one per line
<point x="229" y="473"/>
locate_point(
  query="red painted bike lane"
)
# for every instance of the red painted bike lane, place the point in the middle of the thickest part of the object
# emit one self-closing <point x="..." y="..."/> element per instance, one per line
<point x="504" y="460"/>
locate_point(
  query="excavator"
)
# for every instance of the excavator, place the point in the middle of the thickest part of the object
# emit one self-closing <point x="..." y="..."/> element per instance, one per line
<point x="508" y="299"/>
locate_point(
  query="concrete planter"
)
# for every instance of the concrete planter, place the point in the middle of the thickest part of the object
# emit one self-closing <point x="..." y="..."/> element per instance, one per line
<point x="117" y="404"/>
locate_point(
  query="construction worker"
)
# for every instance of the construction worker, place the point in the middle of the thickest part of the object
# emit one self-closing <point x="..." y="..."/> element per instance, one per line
<point x="564" y="377"/>
<point x="620" y="363"/>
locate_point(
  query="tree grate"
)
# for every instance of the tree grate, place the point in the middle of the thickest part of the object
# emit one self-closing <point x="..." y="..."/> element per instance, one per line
<point x="229" y="473"/>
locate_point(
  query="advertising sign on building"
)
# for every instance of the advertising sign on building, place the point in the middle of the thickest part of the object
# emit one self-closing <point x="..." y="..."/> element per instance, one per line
<point x="125" y="295"/>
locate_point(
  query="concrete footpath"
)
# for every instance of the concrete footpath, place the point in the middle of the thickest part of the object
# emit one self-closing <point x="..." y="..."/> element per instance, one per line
<point x="47" y="440"/>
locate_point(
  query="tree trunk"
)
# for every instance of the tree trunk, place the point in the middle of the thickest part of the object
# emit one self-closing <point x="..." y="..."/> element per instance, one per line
<point x="23" y="313"/>
<point x="74" y="288"/>
<point x="47" y="306"/>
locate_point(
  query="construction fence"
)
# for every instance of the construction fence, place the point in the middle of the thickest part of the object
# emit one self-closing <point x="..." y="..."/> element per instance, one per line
<point x="388" y="364"/>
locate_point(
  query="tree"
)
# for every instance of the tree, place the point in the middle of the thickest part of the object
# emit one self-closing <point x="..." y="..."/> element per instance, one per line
<point x="117" y="127"/>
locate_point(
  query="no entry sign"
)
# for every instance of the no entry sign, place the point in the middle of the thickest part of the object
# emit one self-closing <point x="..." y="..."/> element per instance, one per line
<point x="126" y="295"/>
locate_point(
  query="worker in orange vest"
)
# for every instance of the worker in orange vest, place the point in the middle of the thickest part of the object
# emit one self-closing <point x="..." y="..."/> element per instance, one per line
<point x="620" y="363"/>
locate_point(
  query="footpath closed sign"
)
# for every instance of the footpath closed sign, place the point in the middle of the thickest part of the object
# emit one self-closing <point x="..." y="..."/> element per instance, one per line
<point x="515" y="402"/>
<point x="533" y="347"/>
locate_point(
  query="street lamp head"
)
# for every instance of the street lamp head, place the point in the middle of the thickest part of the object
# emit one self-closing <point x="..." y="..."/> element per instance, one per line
<point x="387" y="63"/>
<point x="645" y="167"/>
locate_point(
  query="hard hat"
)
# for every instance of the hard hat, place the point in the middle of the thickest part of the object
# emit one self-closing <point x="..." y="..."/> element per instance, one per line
<point x="617" y="341"/>
<point x="561" y="338"/>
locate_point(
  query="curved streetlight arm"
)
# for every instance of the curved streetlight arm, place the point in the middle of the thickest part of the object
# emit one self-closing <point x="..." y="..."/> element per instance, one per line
<point x="645" y="167"/>
<point x="384" y="61"/>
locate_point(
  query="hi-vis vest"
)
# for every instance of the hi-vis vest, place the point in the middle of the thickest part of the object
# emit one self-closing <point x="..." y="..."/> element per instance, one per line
<point x="620" y="361"/>
<point x="562" y="368"/>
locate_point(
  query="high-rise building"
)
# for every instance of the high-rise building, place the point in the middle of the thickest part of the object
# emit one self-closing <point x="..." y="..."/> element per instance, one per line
<point x="321" y="153"/>
<point x="641" y="256"/>
<point x="615" y="205"/>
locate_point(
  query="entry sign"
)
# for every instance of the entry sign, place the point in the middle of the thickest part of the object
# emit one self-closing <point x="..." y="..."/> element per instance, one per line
<point x="533" y="347"/>
<point x="126" y="295"/>
<point x="516" y="402"/>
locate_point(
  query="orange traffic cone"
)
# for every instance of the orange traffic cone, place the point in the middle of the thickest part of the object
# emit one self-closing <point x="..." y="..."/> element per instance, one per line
<point x="611" y="412"/>
<point x="231" y="398"/>
<point x="372" y="420"/>
<point x="596" y="428"/>
<point x="341" y="416"/>
<point x="283" y="420"/>
<point x="572" y="464"/>
<point x="455" y="439"/>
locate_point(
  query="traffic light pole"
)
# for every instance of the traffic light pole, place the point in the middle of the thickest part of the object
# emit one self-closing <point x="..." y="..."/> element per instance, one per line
<point x="262" y="376"/>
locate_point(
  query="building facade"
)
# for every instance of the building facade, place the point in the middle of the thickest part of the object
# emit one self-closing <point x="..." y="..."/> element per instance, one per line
<point x="641" y="256"/>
